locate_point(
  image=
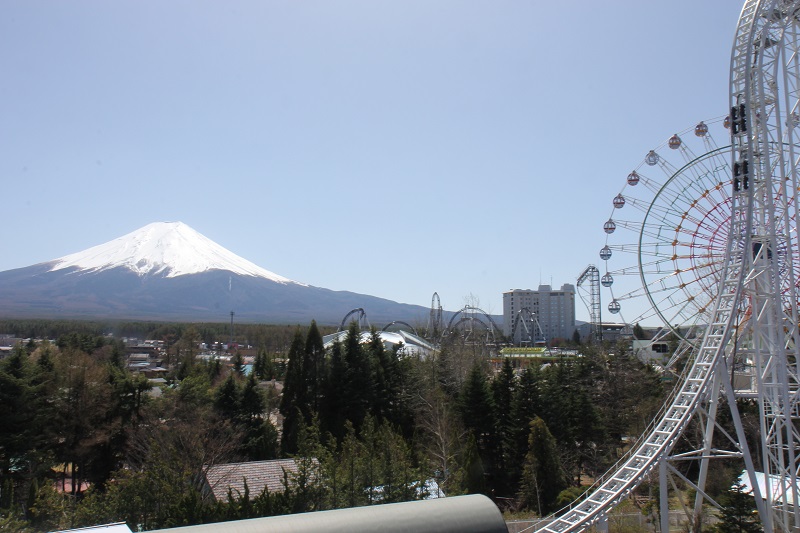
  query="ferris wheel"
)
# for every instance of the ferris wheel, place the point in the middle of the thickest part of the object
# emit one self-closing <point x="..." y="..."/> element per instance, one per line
<point x="667" y="234"/>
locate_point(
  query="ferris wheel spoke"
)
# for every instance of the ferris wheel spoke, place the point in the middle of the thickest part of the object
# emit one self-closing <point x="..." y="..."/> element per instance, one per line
<point x="674" y="308"/>
<point x="679" y="214"/>
<point x="645" y="182"/>
<point x="707" y="219"/>
<point x="663" y="266"/>
<point x="632" y="202"/>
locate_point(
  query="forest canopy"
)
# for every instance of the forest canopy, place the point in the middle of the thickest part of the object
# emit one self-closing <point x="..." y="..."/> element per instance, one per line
<point x="86" y="441"/>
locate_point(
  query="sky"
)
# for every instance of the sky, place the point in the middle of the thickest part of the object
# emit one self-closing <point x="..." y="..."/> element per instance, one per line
<point x="395" y="148"/>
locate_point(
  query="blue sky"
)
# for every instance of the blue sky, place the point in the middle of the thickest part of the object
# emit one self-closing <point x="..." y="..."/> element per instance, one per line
<point x="392" y="148"/>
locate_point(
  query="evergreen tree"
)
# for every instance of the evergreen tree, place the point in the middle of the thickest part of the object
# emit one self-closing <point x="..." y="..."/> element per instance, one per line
<point x="738" y="513"/>
<point x="503" y="443"/>
<point x="314" y="360"/>
<point x="227" y="399"/>
<point x="294" y="401"/>
<point x="88" y="415"/>
<point x="543" y="477"/>
<point x="260" y="436"/>
<point x="307" y="489"/>
<point x="333" y="414"/>
<point x="473" y="472"/>
<point x="214" y="368"/>
<point x="27" y="439"/>
<point x="585" y="432"/>
<point x="358" y="393"/>
<point x="260" y="366"/>
<point x="477" y="409"/>
<point x="238" y="363"/>
<point x="525" y="406"/>
<point x="385" y="379"/>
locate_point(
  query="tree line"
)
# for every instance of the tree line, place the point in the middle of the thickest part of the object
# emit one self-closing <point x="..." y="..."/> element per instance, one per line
<point x="87" y="443"/>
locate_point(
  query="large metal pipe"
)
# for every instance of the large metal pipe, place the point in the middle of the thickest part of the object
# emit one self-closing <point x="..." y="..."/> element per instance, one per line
<point x="465" y="514"/>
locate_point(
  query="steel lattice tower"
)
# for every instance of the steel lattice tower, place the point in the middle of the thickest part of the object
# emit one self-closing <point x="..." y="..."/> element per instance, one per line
<point x="592" y="275"/>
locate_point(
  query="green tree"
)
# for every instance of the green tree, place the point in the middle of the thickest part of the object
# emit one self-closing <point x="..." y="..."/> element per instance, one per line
<point x="238" y="363"/>
<point x="526" y="405"/>
<point x="294" y="402"/>
<point x="477" y="408"/>
<point x="386" y="380"/>
<point x="260" y="436"/>
<point x="503" y="389"/>
<point x="27" y="439"/>
<point x="333" y="410"/>
<point x="358" y="391"/>
<point x="306" y="490"/>
<point x="738" y="513"/>
<point x="315" y="368"/>
<point x="228" y="398"/>
<point x="264" y="366"/>
<point x="85" y="409"/>
<point x="543" y="477"/>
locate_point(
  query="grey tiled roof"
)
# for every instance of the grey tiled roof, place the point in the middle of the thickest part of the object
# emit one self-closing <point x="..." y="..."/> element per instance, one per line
<point x="259" y="474"/>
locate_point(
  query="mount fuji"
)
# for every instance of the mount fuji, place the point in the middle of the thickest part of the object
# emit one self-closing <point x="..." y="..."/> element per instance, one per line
<point x="168" y="271"/>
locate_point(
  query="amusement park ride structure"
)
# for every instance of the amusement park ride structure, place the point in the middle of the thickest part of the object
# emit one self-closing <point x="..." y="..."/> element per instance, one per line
<point x="740" y="287"/>
<point x="592" y="275"/>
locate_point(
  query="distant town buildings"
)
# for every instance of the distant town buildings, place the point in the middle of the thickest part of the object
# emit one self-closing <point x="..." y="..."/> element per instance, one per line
<point x="554" y="310"/>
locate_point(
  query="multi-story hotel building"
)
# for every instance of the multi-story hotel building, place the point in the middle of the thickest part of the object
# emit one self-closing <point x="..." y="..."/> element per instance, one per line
<point x="554" y="310"/>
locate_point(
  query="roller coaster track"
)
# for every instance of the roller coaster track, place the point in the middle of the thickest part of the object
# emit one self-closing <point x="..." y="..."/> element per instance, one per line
<point x="673" y="419"/>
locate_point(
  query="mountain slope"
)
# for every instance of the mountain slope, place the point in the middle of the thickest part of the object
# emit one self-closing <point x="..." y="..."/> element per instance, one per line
<point x="168" y="271"/>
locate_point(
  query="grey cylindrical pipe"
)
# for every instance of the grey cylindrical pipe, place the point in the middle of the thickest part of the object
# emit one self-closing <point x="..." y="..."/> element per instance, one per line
<point x="466" y="514"/>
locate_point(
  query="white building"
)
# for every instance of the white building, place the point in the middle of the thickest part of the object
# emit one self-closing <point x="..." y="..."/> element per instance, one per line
<point x="554" y="309"/>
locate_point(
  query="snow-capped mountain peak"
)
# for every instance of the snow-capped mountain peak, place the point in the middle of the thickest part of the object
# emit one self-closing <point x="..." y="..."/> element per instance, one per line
<point x="168" y="248"/>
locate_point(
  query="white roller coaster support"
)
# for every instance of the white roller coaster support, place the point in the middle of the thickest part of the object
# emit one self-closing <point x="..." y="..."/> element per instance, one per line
<point x="756" y="303"/>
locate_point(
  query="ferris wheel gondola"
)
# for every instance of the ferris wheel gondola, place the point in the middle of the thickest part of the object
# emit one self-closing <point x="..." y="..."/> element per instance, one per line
<point x="667" y="233"/>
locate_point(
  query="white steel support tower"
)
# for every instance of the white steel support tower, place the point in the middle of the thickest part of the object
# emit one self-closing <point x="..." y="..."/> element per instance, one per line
<point x="755" y="314"/>
<point x="764" y="99"/>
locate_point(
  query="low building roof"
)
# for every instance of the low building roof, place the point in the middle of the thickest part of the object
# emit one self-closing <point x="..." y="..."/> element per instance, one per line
<point x="410" y="344"/>
<point x="259" y="475"/>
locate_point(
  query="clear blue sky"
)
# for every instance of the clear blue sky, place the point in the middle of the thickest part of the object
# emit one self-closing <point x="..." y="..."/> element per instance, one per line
<point x="392" y="148"/>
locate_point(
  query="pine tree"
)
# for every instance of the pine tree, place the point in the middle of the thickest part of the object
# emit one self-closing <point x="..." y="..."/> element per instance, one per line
<point x="357" y="390"/>
<point x="238" y="363"/>
<point x="385" y="379"/>
<point x="227" y="399"/>
<point x="473" y="472"/>
<point x="332" y="412"/>
<point x="294" y="402"/>
<point x="525" y="406"/>
<point x="476" y="408"/>
<point x="543" y="477"/>
<point x="20" y="423"/>
<point x="260" y="436"/>
<point x="738" y="513"/>
<point x="314" y="358"/>
<point x="503" y="388"/>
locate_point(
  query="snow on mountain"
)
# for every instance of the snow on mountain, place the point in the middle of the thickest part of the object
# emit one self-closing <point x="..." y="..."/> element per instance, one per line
<point x="169" y="248"/>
